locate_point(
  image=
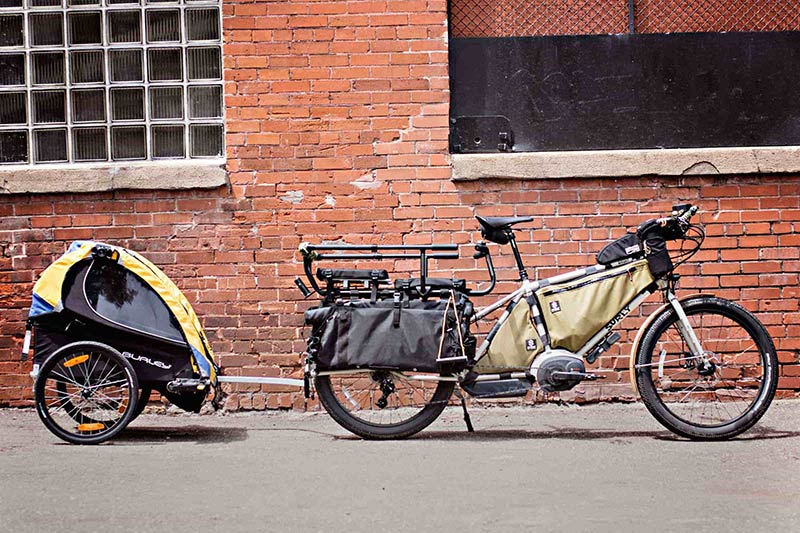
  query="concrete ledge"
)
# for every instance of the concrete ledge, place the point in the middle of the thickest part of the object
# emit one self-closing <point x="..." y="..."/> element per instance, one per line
<point x="78" y="179"/>
<point x="616" y="163"/>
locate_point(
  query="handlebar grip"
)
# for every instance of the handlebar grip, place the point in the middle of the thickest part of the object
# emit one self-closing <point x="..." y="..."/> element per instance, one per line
<point x="689" y="213"/>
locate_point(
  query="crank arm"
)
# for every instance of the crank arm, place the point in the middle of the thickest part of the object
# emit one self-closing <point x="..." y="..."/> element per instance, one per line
<point x="571" y="375"/>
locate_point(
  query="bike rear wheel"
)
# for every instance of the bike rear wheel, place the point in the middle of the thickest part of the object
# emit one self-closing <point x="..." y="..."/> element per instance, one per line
<point x="714" y="400"/>
<point x="381" y="404"/>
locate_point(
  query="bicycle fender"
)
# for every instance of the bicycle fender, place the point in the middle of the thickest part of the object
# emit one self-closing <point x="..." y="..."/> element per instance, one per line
<point x="644" y="327"/>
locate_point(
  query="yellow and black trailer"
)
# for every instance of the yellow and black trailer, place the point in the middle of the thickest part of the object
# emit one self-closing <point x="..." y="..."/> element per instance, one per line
<point x="107" y="327"/>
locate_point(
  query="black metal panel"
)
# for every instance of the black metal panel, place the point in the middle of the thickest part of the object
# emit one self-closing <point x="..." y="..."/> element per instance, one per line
<point x="482" y="134"/>
<point x="628" y="91"/>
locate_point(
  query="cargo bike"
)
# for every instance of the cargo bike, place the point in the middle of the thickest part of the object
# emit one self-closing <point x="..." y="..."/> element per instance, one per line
<point x="386" y="356"/>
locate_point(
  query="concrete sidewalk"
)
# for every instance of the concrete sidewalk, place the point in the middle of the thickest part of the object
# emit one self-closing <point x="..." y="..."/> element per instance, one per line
<point x="543" y="468"/>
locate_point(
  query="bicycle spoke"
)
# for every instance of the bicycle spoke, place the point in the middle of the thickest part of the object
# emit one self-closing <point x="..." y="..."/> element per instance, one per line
<point x="360" y="392"/>
<point x="85" y="400"/>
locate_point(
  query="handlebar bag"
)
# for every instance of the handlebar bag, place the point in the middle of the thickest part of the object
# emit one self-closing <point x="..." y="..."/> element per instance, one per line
<point x="626" y="247"/>
<point x="409" y="335"/>
<point x="657" y="255"/>
<point x="514" y="345"/>
<point x="576" y="310"/>
<point x="654" y="237"/>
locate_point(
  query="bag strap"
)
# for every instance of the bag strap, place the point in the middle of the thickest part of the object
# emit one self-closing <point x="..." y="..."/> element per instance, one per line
<point x="397" y="305"/>
<point x="451" y="301"/>
<point x="444" y="328"/>
<point x="458" y="323"/>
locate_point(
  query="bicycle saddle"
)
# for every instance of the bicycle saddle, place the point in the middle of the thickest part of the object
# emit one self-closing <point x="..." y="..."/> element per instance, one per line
<point x="495" y="223"/>
<point x="498" y="229"/>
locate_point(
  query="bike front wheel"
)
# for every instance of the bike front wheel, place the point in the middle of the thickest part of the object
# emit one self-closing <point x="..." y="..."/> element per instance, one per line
<point x="382" y="404"/>
<point x="716" y="396"/>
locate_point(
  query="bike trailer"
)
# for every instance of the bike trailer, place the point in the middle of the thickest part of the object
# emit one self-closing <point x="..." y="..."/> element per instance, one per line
<point x="105" y="294"/>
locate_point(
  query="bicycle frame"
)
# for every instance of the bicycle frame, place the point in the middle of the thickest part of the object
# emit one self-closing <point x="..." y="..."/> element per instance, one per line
<point x="526" y="288"/>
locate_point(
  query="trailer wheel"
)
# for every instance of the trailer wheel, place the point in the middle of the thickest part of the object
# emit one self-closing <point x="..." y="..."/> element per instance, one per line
<point x="86" y="392"/>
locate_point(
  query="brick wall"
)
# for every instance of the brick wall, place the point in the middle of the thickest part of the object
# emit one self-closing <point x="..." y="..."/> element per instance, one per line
<point x="337" y="129"/>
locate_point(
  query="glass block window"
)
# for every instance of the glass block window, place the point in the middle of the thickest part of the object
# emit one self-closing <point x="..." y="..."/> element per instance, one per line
<point x="87" y="81"/>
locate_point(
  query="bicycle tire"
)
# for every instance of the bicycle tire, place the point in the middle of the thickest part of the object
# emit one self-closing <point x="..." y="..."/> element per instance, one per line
<point x="725" y="383"/>
<point x="429" y="411"/>
<point x="86" y="357"/>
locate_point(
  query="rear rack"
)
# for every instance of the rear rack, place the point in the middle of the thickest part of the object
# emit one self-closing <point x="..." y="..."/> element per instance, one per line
<point x="366" y="282"/>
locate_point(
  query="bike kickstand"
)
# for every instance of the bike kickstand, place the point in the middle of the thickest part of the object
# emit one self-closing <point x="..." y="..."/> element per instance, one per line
<point x="467" y="419"/>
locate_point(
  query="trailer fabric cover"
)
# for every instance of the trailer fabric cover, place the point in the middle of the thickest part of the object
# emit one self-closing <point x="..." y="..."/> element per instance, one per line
<point x="47" y="293"/>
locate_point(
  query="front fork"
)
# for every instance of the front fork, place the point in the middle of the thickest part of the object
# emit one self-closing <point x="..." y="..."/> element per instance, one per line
<point x="686" y="330"/>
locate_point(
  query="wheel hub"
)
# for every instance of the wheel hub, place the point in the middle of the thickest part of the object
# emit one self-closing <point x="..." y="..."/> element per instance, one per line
<point x="707" y="367"/>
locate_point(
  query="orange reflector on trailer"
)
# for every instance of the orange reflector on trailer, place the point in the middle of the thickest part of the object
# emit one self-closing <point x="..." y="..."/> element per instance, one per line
<point x="97" y="426"/>
<point x="76" y="360"/>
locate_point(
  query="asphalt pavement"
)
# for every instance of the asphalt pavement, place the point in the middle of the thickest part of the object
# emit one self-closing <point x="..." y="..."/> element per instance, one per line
<point x="540" y="468"/>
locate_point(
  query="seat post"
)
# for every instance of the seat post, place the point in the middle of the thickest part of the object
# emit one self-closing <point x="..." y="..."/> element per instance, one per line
<point x="523" y="274"/>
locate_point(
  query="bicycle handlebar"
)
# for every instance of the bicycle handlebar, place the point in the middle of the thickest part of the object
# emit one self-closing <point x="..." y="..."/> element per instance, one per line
<point x="671" y="227"/>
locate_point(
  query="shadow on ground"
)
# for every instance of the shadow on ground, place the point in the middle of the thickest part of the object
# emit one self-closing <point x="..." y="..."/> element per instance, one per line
<point x="168" y="434"/>
<point x="578" y="434"/>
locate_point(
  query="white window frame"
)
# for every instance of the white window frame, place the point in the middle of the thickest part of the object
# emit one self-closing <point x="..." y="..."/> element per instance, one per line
<point x="143" y="6"/>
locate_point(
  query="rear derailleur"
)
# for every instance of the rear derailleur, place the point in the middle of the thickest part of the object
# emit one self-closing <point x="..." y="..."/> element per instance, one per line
<point x="386" y="385"/>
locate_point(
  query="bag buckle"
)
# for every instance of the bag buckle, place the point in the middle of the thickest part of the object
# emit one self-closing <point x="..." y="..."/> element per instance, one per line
<point x="396" y="304"/>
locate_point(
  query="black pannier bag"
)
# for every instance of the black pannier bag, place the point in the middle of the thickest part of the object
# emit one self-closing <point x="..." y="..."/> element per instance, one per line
<point x="626" y="247"/>
<point x="404" y="334"/>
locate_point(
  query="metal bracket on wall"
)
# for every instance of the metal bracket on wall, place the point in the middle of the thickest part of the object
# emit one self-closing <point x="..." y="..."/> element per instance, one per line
<point x="506" y="141"/>
<point x="481" y="134"/>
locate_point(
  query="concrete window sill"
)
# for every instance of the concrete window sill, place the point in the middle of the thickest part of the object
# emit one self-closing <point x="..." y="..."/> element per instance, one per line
<point x="98" y="178"/>
<point x="618" y="163"/>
